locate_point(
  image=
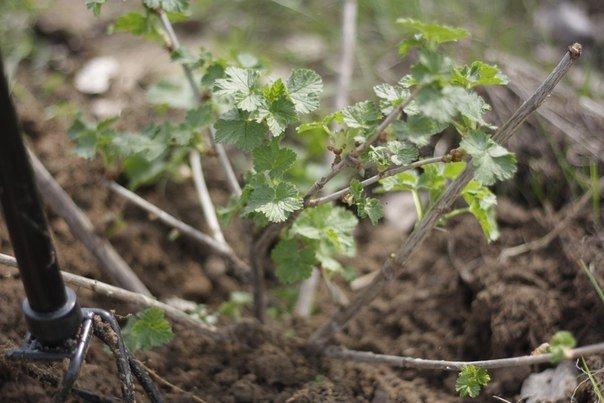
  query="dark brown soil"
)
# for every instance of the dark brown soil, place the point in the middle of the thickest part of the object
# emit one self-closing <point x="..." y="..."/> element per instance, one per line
<point x="455" y="300"/>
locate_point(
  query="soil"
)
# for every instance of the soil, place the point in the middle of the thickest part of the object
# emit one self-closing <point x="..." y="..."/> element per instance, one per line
<point x="455" y="300"/>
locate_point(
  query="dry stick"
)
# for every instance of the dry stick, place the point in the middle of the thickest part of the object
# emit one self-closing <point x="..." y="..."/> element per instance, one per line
<point x="174" y="44"/>
<point x="243" y="269"/>
<point x="204" y="197"/>
<point x="398" y="261"/>
<point x="542" y="242"/>
<point x="126" y="296"/>
<point x="420" y="363"/>
<point x="82" y="229"/>
<point x="374" y="179"/>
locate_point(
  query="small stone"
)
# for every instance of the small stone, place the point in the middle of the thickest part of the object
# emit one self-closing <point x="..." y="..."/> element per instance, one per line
<point x="95" y="77"/>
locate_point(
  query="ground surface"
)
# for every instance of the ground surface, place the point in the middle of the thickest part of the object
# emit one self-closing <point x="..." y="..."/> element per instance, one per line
<point x="455" y="301"/>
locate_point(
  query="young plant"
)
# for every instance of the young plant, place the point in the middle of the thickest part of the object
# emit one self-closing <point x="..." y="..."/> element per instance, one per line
<point x="238" y="103"/>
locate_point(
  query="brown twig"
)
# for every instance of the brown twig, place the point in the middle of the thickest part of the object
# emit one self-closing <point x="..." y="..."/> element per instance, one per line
<point x="399" y="260"/>
<point x="243" y="269"/>
<point x="123" y="295"/>
<point x="82" y="229"/>
<point x="420" y="363"/>
<point x="164" y="381"/>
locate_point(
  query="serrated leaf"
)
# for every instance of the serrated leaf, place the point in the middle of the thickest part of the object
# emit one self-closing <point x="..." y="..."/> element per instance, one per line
<point x="407" y="180"/>
<point x="294" y="260"/>
<point x="128" y="144"/>
<point x="278" y="109"/>
<point x="332" y="226"/>
<point x="305" y="87"/>
<point x="481" y="202"/>
<point x="373" y="209"/>
<point x="240" y="84"/>
<point x="432" y="33"/>
<point x="167" y="5"/>
<point x="235" y="127"/>
<point x="147" y="329"/>
<point x="431" y="67"/>
<point x="366" y="206"/>
<point x="477" y="74"/>
<point x="393" y="152"/>
<point x="275" y="202"/>
<point x="471" y="380"/>
<point x="362" y="115"/>
<point x="469" y="104"/>
<point x="418" y="129"/>
<point x="390" y="95"/>
<point x="95" y="6"/>
<point x="272" y="159"/>
<point x="491" y="161"/>
<point x="435" y="105"/>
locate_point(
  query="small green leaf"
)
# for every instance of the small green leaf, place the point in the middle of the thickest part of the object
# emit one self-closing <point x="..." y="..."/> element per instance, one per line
<point x="240" y="84"/>
<point x="393" y="152"/>
<point x="235" y="127"/>
<point x="363" y="115"/>
<point x="233" y="308"/>
<point x="278" y="109"/>
<point x="168" y="5"/>
<point x="481" y="202"/>
<point x="294" y="259"/>
<point x="491" y="161"/>
<point x="435" y="105"/>
<point x="373" y="209"/>
<point x="366" y="206"/>
<point x="559" y="344"/>
<point x="272" y="159"/>
<point x="275" y="202"/>
<point x="95" y="6"/>
<point x="418" y="129"/>
<point x="305" y="87"/>
<point x="147" y="329"/>
<point x="471" y="380"/>
<point x="432" y="33"/>
<point x="477" y="74"/>
<point x="407" y="180"/>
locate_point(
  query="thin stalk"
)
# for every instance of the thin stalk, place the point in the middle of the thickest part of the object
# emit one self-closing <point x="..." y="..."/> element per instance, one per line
<point x="418" y="204"/>
<point x="374" y="179"/>
<point x="203" y="194"/>
<point x="592" y="280"/>
<point x="594" y="382"/>
<point x="455" y="213"/>
<point x="420" y="363"/>
<point x="126" y="296"/>
<point x="398" y="261"/>
<point x="242" y="268"/>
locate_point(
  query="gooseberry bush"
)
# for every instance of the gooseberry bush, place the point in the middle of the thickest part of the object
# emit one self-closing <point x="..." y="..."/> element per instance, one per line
<point x="278" y="122"/>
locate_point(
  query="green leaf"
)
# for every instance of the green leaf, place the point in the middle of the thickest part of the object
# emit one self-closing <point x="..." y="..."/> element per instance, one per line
<point x="275" y="202"/>
<point x="95" y="6"/>
<point x="363" y="115"/>
<point x="366" y="206"/>
<point x="146" y="330"/>
<point x="481" y="202"/>
<point x="431" y="67"/>
<point x="418" y="129"/>
<point x="240" y="84"/>
<point x="272" y="159"/>
<point x="137" y="24"/>
<point x="468" y="103"/>
<point x="471" y="380"/>
<point x="294" y="259"/>
<point x="140" y="170"/>
<point x="491" y="161"/>
<point x="435" y="105"/>
<point x="167" y="5"/>
<point x="478" y="73"/>
<point x="235" y="127"/>
<point x="390" y="95"/>
<point x="407" y="180"/>
<point x="278" y="109"/>
<point x="559" y="344"/>
<point x="128" y="144"/>
<point x="332" y="226"/>
<point x="393" y="152"/>
<point x="432" y="33"/>
<point x="214" y="71"/>
<point x="233" y="308"/>
<point x="305" y="87"/>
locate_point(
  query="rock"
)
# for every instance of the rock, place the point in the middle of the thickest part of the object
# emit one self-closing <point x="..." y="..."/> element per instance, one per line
<point x="95" y="77"/>
<point x="551" y="385"/>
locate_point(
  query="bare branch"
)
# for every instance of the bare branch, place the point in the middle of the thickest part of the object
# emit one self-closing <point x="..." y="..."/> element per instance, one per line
<point x="174" y="44"/>
<point x="126" y="296"/>
<point x="203" y="194"/>
<point x="420" y="363"/>
<point x="349" y="40"/>
<point x="374" y="179"/>
<point x="82" y="229"/>
<point x="397" y="262"/>
<point x="224" y="250"/>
